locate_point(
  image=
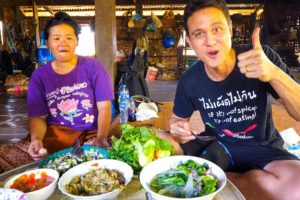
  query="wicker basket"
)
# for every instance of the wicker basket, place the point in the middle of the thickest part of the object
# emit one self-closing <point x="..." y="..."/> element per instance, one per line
<point x="139" y="23"/>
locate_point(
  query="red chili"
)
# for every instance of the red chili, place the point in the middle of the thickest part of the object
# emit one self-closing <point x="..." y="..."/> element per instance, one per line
<point x="250" y="128"/>
<point x="228" y="132"/>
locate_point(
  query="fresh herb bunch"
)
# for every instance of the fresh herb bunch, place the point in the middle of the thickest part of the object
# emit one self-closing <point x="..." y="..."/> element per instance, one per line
<point x="138" y="146"/>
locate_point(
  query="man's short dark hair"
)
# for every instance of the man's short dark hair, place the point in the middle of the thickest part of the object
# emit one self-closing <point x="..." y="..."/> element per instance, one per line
<point x="61" y="18"/>
<point x="195" y="5"/>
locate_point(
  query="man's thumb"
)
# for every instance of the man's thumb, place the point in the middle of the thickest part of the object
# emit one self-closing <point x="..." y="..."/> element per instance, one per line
<point x="255" y="38"/>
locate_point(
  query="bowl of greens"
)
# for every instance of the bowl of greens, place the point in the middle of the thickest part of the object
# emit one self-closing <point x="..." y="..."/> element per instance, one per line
<point x="185" y="177"/>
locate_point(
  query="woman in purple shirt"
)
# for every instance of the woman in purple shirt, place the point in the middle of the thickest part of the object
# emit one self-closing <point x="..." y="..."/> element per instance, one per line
<point x="68" y="96"/>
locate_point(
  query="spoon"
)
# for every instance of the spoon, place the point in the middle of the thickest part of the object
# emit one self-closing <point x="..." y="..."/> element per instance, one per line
<point x="77" y="150"/>
<point x="204" y="137"/>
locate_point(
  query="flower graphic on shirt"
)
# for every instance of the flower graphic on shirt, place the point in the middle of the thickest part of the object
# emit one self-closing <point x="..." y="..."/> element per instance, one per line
<point x="69" y="109"/>
<point x="86" y="104"/>
<point x="53" y="112"/>
<point x="88" y="118"/>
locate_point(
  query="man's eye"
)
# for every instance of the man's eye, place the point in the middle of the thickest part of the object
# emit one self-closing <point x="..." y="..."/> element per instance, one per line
<point x="217" y="29"/>
<point x="198" y="34"/>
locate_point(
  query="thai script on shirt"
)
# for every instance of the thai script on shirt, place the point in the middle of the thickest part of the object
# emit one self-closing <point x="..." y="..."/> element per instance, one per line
<point x="229" y="99"/>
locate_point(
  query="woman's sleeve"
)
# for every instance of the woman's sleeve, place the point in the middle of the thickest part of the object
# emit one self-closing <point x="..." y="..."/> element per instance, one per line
<point x="36" y="100"/>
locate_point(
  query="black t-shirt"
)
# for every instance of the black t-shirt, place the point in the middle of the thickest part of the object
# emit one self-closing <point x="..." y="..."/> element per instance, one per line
<point x="238" y="108"/>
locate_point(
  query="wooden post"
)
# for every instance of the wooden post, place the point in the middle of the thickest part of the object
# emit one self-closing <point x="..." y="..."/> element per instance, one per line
<point x="36" y="23"/>
<point x="105" y="35"/>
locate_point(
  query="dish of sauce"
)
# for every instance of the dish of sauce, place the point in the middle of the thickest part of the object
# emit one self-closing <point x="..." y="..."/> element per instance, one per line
<point x="31" y="182"/>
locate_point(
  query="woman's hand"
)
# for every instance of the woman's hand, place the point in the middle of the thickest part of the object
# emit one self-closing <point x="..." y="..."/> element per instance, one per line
<point x="34" y="149"/>
<point x="102" y="142"/>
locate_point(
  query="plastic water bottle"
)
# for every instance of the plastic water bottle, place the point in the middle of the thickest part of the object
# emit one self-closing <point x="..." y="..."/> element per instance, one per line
<point x="123" y="104"/>
<point x="123" y="91"/>
<point x="123" y="111"/>
<point x="131" y="110"/>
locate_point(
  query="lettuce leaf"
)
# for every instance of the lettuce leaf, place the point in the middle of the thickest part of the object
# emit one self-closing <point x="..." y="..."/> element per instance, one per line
<point x="137" y="146"/>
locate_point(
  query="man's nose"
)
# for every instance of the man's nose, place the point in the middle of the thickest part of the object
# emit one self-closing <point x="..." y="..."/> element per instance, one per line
<point x="210" y="39"/>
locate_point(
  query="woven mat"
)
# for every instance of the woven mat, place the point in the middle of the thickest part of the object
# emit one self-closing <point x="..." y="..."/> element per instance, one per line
<point x="13" y="155"/>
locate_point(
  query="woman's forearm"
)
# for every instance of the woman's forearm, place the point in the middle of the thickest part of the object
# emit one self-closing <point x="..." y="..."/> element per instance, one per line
<point x="37" y="127"/>
<point x="104" y="119"/>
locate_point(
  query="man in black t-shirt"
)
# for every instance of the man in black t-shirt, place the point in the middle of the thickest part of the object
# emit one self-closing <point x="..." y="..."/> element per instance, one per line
<point x="231" y="87"/>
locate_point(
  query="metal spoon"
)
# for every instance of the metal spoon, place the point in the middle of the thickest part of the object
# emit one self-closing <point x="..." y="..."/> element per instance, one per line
<point x="204" y="137"/>
<point x="77" y="150"/>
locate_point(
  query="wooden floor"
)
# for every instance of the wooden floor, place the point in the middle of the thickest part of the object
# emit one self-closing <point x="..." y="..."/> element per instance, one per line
<point x="13" y="116"/>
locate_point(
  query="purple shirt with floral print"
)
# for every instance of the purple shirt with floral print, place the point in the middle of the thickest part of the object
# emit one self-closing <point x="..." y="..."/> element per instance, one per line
<point x="69" y="99"/>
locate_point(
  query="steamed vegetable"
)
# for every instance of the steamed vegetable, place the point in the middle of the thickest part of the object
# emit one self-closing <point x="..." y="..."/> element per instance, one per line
<point x="138" y="146"/>
<point x="186" y="180"/>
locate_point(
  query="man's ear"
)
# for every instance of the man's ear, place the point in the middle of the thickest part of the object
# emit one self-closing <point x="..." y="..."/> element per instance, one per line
<point x="187" y="39"/>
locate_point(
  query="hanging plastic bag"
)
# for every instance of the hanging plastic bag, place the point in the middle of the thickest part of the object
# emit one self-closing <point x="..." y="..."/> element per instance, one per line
<point x="150" y="25"/>
<point x="131" y="23"/>
<point x="168" y="41"/>
<point x="168" y="38"/>
<point x="156" y="20"/>
<point x="181" y="42"/>
<point x="139" y="23"/>
<point x="142" y="43"/>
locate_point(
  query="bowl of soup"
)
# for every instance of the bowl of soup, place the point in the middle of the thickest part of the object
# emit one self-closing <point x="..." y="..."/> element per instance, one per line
<point x="182" y="177"/>
<point x="37" y="184"/>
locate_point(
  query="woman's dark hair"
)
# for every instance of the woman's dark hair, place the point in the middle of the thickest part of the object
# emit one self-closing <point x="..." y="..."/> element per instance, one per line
<point x="195" y="5"/>
<point x="61" y="18"/>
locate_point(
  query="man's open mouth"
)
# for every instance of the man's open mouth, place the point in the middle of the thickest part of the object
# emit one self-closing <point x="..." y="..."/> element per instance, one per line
<point x="213" y="53"/>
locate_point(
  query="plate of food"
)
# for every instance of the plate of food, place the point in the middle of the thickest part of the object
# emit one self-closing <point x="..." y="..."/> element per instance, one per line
<point x="66" y="159"/>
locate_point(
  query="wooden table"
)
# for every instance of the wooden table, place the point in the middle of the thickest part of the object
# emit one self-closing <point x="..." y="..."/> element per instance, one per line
<point x="162" y="122"/>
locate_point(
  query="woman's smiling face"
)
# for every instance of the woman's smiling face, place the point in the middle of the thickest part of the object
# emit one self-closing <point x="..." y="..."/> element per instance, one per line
<point x="62" y="42"/>
<point x="210" y="36"/>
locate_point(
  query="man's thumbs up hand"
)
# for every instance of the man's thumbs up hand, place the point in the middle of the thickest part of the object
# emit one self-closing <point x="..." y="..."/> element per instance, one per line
<point x="254" y="63"/>
<point x="256" y="39"/>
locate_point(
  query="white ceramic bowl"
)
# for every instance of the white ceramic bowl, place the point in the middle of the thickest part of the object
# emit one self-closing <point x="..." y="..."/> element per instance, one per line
<point x="84" y="168"/>
<point x="164" y="164"/>
<point x="43" y="193"/>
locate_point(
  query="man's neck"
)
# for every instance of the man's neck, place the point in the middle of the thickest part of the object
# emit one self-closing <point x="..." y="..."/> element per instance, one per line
<point x="223" y="71"/>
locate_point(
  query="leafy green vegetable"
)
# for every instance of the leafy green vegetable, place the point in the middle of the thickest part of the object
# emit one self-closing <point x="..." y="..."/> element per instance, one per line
<point x="188" y="179"/>
<point x="138" y="146"/>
